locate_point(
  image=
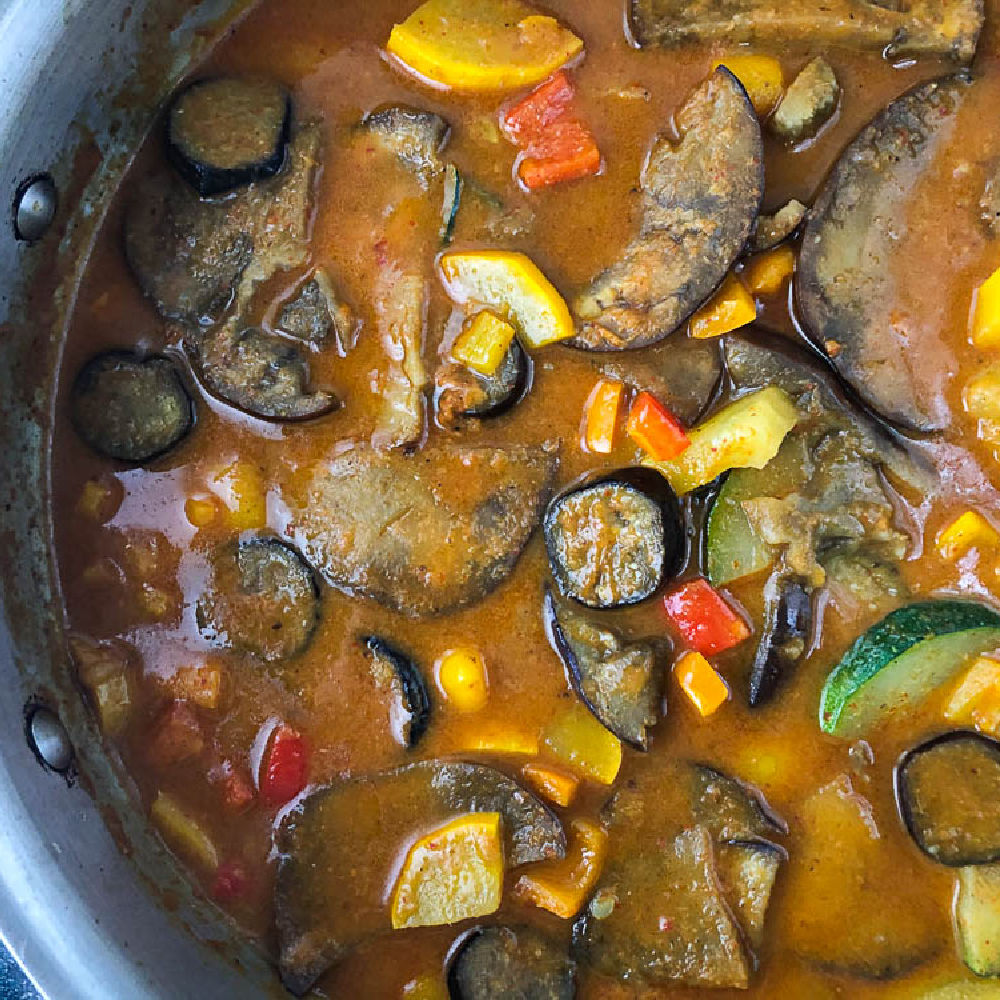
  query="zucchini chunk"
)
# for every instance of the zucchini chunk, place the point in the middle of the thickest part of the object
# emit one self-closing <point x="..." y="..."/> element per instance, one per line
<point x="228" y="132"/>
<point x="396" y="673"/>
<point x="617" y="681"/>
<point x="948" y="791"/>
<point x="339" y="851"/>
<point x="464" y="396"/>
<point x="977" y="918"/>
<point x="808" y="104"/>
<point x="496" y="962"/>
<point x="130" y="407"/>
<point x="901" y="659"/>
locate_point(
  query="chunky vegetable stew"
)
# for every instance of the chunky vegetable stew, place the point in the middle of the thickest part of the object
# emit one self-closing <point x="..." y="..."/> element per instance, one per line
<point x="524" y="495"/>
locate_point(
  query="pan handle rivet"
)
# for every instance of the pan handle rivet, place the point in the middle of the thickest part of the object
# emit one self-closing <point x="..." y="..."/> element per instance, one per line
<point x="35" y="205"/>
<point x="49" y="740"/>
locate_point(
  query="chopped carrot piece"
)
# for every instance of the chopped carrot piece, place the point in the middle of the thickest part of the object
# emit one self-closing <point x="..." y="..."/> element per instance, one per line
<point x="766" y="273"/>
<point x="236" y="788"/>
<point x="761" y="77"/>
<point x="562" y="887"/>
<point x="548" y="102"/>
<point x="483" y="343"/>
<point x="655" y="429"/>
<point x="601" y="416"/>
<point x="578" y="740"/>
<point x="557" y="786"/>
<point x="985" y="330"/>
<point x="731" y="307"/>
<point x="968" y="531"/>
<point x="704" y="620"/>
<point x="701" y="682"/>
<point x="461" y="675"/>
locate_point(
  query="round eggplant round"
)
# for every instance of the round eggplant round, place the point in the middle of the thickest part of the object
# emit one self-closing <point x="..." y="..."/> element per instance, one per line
<point x="227" y="132"/>
<point x="264" y="600"/>
<point x="511" y="962"/>
<point x="395" y="673"/>
<point x="130" y="407"/>
<point x="948" y="792"/>
<point x="614" y="541"/>
<point x="463" y="394"/>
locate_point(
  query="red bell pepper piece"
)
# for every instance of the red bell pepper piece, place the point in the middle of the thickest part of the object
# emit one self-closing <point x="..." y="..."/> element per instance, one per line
<point x="231" y="882"/>
<point x="705" y="620"/>
<point x="655" y="429"/>
<point x="283" y="771"/>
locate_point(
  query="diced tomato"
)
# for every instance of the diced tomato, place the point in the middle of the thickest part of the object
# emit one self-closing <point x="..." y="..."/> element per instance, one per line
<point x="655" y="429"/>
<point x="527" y="119"/>
<point x="704" y="619"/>
<point x="237" y="790"/>
<point x="175" y="736"/>
<point x="283" y="772"/>
<point x="231" y="882"/>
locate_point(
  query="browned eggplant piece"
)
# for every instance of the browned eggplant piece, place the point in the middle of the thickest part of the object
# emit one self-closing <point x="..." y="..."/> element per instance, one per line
<point x="808" y="104"/>
<point x="774" y="229"/>
<point x="228" y="132"/>
<point x="315" y="315"/>
<point x="612" y="542"/>
<point x="948" y="790"/>
<point x="730" y="809"/>
<point x="395" y="673"/>
<point x="260" y="373"/>
<point x="339" y="847"/>
<point x="785" y="639"/>
<point x="381" y="527"/>
<point x="918" y="27"/>
<point x="464" y="395"/>
<point x="493" y="963"/>
<point x="748" y="870"/>
<point x="700" y="198"/>
<point x="130" y="407"/>
<point x="845" y="289"/>
<point x="413" y="136"/>
<point x="263" y="600"/>
<point x="617" y="680"/>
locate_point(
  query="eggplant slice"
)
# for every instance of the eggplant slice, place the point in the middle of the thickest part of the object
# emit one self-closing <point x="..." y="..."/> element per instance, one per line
<point x="700" y="199"/>
<point x="494" y="963"/>
<point x="748" y="870"/>
<point x="618" y="681"/>
<point x="613" y="542"/>
<point x="730" y="809"/>
<point x="464" y="395"/>
<point x="394" y="672"/>
<point x="263" y="600"/>
<point x="413" y="136"/>
<point x="130" y="407"/>
<point x="948" y="791"/>
<point x="919" y="27"/>
<point x="228" y="132"/>
<point x="380" y="527"/>
<point x="315" y="315"/>
<point x="785" y="639"/>
<point x="844" y="282"/>
<point x="339" y="845"/>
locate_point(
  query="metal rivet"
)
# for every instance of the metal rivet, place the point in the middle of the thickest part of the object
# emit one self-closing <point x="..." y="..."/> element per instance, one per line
<point x="35" y="205"/>
<point x="48" y="739"/>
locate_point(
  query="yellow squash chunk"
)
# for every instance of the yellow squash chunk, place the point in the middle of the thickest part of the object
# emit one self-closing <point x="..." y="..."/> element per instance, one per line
<point x="482" y="45"/>
<point x="426" y="987"/>
<point x="701" y="682"/>
<point x="985" y="330"/>
<point x="200" y="511"/>
<point x="512" y="284"/>
<point x="766" y="273"/>
<point x="452" y="874"/>
<point x="731" y="307"/>
<point x="182" y="833"/>
<point x="577" y="739"/>
<point x="976" y="698"/>
<point x="241" y="487"/>
<point x="483" y="343"/>
<point x="982" y="401"/>
<point x="103" y="671"/>
<point x="201" y="685"/>
<point x="968" y="531"/>
<point x="557" y="786"/>
<point x="761" y="77"/>
<point x="562" y="887"/>
<point x="461" y="676"/>
<point x="746" y="434"/>
<point x="493" y="737"/>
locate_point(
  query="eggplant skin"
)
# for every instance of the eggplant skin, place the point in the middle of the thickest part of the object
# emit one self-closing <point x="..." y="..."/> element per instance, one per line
<point x="948" y="794"/>
<point x="414" y="706"/>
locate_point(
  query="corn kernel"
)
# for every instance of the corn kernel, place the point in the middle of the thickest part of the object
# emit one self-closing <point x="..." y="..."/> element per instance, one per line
<point x="557" y="786"/>
<point x="968" y="531"/>
<point x="701" y="682"/>
<point x="985" y="327"/>
<point x="731" y="307"/>
<point x="761" y="77"/>
<point x="461" y="676"/>
<point x="483" y="343"/>
<point x="766" y="273"/>
<point x="200" y="511"/>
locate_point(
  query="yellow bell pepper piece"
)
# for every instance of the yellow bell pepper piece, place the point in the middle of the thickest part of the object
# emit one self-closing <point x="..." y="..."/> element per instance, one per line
<point x="701" y="682"/>
<point x="761" y="76"/>
<point x="601" y="416"/>
<point x="200" y="511"/>
<point x="483" y="343"/>
<point x="482" y="45"/>
<point x="454" y="873"/>
<point x="182" y="833"/>
<point x="766" y="273"/>
<point x="241" y="487"/>
<point x="562" y="887"/>
<point x="982" y="401"/>
<point x="976" y="698"/>
<point x="968" y="531"/>
<point x="512" y="284"/>
<point x="745" y="434"/>
<point x="578" y="740"/>
<point x="555" y="785"/>
<point x="498" y="739"/>
<point x="731" y="307"/>
<point x="461" y="676"/>
<point x="201" y="685"/>
<point x="985" y="330"/>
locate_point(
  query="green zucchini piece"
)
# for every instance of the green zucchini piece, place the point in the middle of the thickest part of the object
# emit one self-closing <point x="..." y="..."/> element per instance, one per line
<point x="901" y="659"/>
<point x="977" y="918"/>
